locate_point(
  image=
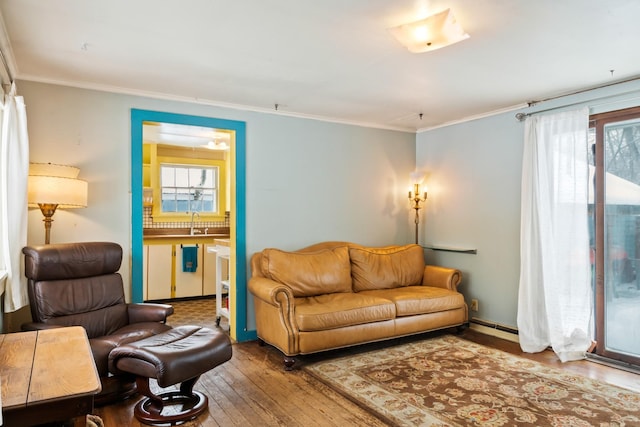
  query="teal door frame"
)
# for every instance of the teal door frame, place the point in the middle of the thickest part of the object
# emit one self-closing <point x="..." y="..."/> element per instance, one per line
<point x="138" y="117"/>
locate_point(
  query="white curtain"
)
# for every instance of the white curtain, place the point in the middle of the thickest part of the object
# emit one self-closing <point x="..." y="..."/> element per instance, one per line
<point x="14" y="172"/>
<point x="555" y="297"/>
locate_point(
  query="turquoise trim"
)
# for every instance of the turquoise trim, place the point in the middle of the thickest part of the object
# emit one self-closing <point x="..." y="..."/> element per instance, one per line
<point x="136" y="206"/>
<point x="137" y="118"/>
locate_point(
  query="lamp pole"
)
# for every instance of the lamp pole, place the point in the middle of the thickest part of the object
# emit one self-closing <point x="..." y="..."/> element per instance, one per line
<point x="417" y="221"/>
<point x="47" y="209"/>
<point x="416" y="203"/>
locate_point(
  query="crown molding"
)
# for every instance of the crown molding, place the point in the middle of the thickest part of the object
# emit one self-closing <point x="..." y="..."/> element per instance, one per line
<point x="203" y="101"/>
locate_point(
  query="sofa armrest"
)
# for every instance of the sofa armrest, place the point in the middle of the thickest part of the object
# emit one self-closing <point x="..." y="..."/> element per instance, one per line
<point x="280" y="297"/>
<point x="441" y="277"/>
<point x="37" y="326"/>
<point x="149" y="312"/>
<point x="271" y="292"/>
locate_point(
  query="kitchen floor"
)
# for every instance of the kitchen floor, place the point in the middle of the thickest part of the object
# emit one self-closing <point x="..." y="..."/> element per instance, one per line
<point x="201" y="312"/>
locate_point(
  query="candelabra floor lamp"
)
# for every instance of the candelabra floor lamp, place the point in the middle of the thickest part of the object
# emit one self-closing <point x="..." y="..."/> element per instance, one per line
<point x="55" y="186"/>
<point x="417" y="201"/>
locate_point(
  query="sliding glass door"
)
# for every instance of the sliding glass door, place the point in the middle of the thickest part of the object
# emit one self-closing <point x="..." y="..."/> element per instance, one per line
<point x="616" y="233"/>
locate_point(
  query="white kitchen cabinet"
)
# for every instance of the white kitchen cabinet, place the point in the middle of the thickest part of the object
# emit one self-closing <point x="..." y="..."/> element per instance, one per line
<point x="158" y="260"/>
<point x="188" y="284"/>
<point x="145" y="268"/>
<point x="163" y="275"/>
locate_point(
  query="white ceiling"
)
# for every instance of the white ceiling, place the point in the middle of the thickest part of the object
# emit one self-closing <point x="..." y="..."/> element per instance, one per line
<point x="186" y="136"/>
<point x="329" y="59"/>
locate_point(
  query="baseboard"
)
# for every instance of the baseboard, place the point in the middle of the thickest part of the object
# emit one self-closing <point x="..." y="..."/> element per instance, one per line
<point x="494" y="329"/>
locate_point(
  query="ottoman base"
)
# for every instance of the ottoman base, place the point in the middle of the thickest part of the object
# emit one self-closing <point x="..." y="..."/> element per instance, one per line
<point x="184" y="405"/>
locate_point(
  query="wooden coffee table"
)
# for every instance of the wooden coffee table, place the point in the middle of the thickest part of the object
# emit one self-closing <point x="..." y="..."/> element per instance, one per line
<point x="46" y="376"/>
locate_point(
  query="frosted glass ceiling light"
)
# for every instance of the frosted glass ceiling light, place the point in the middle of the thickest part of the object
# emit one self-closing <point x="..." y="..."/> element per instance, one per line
<point x="431" y="33"/>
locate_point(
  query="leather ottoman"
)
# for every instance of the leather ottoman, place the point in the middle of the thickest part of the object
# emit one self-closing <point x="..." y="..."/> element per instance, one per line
<point x="179" y="355"/>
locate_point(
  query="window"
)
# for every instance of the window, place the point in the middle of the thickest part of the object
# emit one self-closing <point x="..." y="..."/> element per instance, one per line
<point x="189" y="188"/>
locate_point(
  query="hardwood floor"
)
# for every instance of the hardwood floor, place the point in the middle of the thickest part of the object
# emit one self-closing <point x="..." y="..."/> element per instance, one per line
<point x="252" y="389"/>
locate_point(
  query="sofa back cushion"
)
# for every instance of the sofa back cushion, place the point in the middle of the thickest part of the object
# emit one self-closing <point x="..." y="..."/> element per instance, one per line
<point x="385" y="268"/>
<point x="309" y="274"/>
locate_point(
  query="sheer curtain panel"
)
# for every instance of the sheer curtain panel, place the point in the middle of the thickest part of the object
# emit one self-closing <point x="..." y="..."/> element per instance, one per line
<point x="14" y="172"/>
<point x="555" y="296"/>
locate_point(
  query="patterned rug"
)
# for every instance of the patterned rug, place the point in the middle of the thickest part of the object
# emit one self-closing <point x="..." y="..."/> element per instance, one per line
<point x="448" y="381"/>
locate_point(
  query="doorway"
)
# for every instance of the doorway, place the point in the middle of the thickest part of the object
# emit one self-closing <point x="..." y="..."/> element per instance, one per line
<point x="237" y="217"/>
<point x="616" y="233"/>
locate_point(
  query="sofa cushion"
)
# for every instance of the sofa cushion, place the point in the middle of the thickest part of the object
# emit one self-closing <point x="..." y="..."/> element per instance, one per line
<point x="412" y="300"/>
<point x="384" y="268"/>
<point x="339" y="310"/>
<point x="308" y="274"/>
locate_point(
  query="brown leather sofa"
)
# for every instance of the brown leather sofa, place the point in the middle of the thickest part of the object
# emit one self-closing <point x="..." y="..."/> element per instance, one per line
<point x="339" y="294"/>
<point x="78" y="284"/>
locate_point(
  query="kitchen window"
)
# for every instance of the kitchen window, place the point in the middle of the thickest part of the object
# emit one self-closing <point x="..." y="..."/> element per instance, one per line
<point x="189" y="188"/>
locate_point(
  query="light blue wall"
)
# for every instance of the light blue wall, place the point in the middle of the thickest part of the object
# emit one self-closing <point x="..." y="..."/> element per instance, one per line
<point x="309" y="180"/>
<point x="306" y="180"/>
<point x="474" y="174"/>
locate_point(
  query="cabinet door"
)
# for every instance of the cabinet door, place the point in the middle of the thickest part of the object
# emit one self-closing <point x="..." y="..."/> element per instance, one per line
<point x="145" y="268"/>
<point x="209" y="270"/>
<point x="158" y="268"/>
<point x="188" y="284"/>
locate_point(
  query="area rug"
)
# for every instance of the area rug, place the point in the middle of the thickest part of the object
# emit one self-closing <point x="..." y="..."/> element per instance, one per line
<point x="448" y="381"/>
<point x="94" y="421"/>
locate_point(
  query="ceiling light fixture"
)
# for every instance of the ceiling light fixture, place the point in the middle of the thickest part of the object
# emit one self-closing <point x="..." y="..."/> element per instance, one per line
<point x="216" y="145"/>
<point x="431" y="33"/>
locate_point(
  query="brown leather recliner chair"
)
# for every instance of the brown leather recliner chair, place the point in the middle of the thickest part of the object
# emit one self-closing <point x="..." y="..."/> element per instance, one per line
<point x="78" y="284"/>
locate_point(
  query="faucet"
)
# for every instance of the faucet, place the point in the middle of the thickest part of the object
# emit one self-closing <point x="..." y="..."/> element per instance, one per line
<point x="193" y="231"/>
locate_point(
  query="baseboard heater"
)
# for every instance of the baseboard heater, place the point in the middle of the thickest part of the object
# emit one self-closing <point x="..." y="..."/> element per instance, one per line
<point x="493" y="325"/>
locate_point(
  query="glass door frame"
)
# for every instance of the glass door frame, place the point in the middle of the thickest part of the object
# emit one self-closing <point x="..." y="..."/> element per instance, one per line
<point x="599" y="121"/>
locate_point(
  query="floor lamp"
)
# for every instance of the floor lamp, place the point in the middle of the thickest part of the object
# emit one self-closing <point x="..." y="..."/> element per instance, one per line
<point x="55" y="186"/>
<point x="417" y="200"/>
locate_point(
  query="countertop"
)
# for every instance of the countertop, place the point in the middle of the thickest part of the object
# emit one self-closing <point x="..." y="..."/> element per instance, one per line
<point x="169" y="235"/>
<point x="185" y="236"/>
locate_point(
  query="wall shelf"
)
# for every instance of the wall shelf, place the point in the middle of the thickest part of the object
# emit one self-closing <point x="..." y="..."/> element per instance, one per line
<point x="451" y="249"/>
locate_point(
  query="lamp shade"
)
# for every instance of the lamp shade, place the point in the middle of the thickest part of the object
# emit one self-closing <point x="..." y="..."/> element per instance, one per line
<point x="431" y="33"/>
<point x="56" y="184"/>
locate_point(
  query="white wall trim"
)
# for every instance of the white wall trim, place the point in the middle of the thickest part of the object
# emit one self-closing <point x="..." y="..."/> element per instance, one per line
<point x="203" y="101"/>
<point x="494" y="331"/>
<point x="11" y="69"/>
<point x="475" y="117"/>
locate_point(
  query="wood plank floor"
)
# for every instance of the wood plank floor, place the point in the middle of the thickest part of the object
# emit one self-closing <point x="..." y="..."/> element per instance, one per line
<point x="252" y="389"/>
